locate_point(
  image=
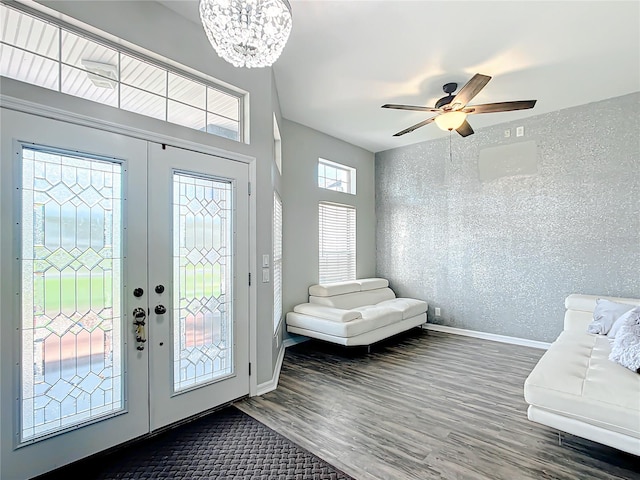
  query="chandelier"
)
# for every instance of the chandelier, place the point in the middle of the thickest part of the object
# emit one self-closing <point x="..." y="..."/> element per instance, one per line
<point x="247" y="33"/>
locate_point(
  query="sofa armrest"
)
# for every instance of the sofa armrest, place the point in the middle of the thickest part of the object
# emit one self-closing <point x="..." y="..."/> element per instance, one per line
<point x="328" y="313"/>
<point x="577" y="320"/>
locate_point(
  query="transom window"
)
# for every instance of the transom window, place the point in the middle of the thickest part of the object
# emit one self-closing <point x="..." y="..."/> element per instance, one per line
<point x="42" y="53"/>
<point x="335" y="176"/>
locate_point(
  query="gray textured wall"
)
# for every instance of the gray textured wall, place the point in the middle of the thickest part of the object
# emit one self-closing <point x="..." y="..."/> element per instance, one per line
<point x="501" y="255"/>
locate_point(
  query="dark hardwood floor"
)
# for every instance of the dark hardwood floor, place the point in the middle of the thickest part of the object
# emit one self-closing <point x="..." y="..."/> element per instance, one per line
<point x="426" y="405"/>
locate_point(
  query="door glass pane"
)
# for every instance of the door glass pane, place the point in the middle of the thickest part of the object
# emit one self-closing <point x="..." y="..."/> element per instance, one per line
<point x="202" y="279"/>
<point x="71" y="284"/>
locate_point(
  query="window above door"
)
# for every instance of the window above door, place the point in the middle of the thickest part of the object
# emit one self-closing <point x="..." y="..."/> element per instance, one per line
<point x="38" y="50"/>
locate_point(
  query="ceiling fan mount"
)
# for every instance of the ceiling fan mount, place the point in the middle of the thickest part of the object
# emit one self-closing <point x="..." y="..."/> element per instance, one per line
<point x="448" y="88"/>
<point x="452" y="110"/>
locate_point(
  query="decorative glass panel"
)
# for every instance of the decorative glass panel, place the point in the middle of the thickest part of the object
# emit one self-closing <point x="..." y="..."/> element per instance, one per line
<point x="202" y="279"/>
<point x="71" y="281"/>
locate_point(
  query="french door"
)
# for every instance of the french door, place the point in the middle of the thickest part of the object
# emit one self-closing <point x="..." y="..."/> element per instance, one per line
<point x="122" y="307"/>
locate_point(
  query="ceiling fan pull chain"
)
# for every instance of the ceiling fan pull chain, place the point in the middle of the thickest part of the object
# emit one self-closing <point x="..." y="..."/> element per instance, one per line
<point x="450" y="154"/>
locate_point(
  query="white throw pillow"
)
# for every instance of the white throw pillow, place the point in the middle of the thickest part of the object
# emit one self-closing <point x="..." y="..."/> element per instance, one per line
<point x="626" y="346"/>
<point x="619" y="322"/>
<point x="605" y="314"/>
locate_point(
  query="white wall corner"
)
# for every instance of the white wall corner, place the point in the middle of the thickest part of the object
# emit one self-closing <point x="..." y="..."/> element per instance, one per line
<point x="272" y="384"/>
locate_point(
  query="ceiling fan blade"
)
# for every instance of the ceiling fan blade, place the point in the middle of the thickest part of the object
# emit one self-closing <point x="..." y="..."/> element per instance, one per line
<point x="471" y="89"/>
<point x="416" y="126"/>
<point x="465" y="129"/>
<point x="411" y="107"/>
<point x="500" y="106"/>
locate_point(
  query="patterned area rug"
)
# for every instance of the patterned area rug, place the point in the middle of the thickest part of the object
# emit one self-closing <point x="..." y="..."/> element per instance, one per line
<point x="224" y="445"/>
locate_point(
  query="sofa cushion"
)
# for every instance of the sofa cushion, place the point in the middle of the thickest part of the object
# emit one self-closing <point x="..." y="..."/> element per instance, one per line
<point x="379" y="316"/>
<point x="336" y="288"/>
<point x="410" y="307"/>
<point x="576" y="379"/>
<point x="372" y="283"/>
<point x="330" y="313"/>
<point x="605" y="314"/>
<point x="372" y="318"/>
<point x="350" y="301"/>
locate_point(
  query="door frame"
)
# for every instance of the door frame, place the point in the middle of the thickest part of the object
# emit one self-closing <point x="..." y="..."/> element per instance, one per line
<point x="69" y="115"/>
<point x="168" y="406"/>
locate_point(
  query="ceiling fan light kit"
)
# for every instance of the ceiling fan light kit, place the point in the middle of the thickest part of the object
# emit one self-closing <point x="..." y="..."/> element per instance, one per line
<point x="247" y="33"/>
<point x="450" y="120"/>
<point x="452" y="110"/>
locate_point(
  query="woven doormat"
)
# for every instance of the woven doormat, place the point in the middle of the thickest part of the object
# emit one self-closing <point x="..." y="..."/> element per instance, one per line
<point x="224" y="445"/>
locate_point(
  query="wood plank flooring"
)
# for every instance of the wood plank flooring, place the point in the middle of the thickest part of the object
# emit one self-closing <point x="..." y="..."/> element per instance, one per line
<point x="426" y="405"/>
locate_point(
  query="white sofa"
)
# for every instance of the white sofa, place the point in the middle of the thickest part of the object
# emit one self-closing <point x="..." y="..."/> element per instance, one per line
<point x="357" y="312"/>
<point x="575" y="388"/>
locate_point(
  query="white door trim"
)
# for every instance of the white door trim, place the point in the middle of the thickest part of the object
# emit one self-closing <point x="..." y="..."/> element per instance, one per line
<point x="26" y="106"/>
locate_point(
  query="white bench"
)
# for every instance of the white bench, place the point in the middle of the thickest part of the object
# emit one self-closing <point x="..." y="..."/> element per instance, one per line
<point x="357" y="312"/>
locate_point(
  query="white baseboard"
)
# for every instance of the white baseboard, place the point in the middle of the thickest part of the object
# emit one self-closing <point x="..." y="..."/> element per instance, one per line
<point x="487" y="336"/>
<point x="272" y="384"/>
<point x="289" y="342"/>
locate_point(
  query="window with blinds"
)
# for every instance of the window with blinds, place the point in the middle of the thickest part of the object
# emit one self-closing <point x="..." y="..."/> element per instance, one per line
<point x="277" y="261"/>
<point x="337" y="226"/>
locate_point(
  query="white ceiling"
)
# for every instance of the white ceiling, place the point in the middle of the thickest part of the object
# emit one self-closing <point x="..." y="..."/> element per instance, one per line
<point x="344" y="59"/>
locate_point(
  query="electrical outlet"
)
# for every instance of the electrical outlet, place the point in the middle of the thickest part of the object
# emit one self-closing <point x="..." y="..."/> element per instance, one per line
<point x="437" y="311"/>
<point x="507" y="133"/>
<point x="519" y="131"/>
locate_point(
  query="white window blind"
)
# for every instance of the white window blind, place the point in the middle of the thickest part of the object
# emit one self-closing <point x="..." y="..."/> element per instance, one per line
<point x="277" y="261"/>
<point x="337" y="225"/>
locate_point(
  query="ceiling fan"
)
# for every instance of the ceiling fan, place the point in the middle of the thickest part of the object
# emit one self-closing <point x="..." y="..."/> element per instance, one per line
<point x="453" y="109"/>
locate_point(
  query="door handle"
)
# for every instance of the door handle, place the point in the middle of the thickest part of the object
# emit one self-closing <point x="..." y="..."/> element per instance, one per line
<point x="139" y="317"/>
